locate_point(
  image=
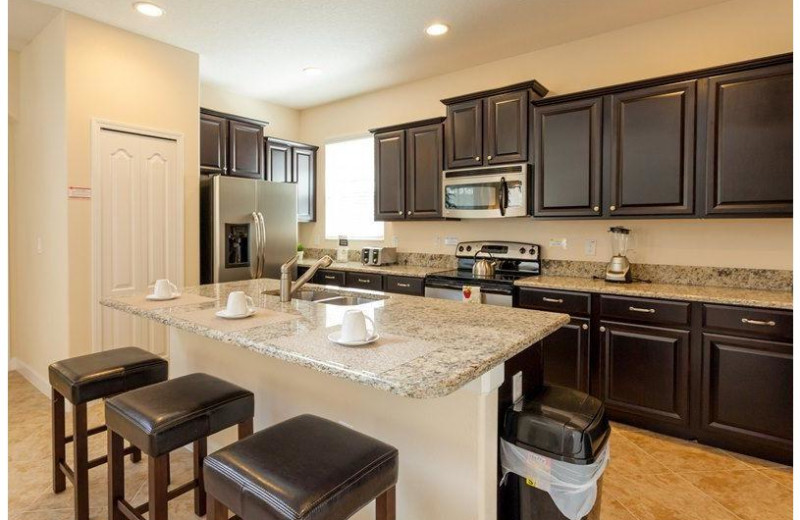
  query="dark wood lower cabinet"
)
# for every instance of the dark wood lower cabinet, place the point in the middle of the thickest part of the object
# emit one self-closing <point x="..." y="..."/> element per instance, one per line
<point x="565" y="355"/>
<point x="644" y="375"/>
<point x="746" y="396"/>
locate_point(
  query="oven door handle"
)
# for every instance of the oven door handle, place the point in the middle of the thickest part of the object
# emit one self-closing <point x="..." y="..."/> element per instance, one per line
<point x="503" y="196"/>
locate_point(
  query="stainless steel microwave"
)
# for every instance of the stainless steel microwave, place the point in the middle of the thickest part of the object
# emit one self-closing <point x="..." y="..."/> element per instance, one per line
<point x="488" y="192"/>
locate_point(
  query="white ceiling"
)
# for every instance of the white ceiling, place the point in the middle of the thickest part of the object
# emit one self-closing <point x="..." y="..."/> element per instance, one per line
<point x="258" y="48"/>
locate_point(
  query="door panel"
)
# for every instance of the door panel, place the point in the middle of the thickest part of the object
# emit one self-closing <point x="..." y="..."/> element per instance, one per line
<point x="279" y="162"/>
<point x="645" y="372"/>
<point x="304" y="174"/>
<point x="507" y="128"/>
<point x="390" y="175"/>
<point x="565" y="355"/>
<point x="213" y="144"/>
<point x="424" y="165"/>
<point x="651" y="151"/>
<point x="246" y="150"/>
<point x="568" y="153"/>
<point x="464" y="134"/>
<point x="749" y="142"/>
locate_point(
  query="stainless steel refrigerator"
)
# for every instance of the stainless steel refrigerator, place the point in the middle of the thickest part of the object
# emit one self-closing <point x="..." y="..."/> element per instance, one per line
<point x="248" y="228"/>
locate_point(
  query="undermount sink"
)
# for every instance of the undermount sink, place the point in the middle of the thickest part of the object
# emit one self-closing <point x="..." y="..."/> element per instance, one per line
<point x="349" y="300"/>
<point x="330" y="298"/>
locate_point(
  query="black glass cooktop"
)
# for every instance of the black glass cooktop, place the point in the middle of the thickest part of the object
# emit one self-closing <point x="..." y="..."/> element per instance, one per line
<point x="466" y="275"/>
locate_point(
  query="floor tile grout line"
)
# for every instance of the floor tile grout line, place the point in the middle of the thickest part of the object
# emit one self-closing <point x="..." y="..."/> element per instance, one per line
<point x="763" y="471"/>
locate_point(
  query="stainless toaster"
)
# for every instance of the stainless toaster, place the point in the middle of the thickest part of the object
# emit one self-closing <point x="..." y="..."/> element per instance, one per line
<point x="378" y="255"/>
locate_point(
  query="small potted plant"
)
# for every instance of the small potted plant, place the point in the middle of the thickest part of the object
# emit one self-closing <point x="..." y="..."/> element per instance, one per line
<point x="300" y="251"/>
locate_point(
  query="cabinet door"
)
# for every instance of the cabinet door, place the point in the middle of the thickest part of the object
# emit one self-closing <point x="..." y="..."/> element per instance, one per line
<point x="507" y="128"/>
<point x="565" y="355"/>
<point x="213" y="143"/>
<point x="424" y="172"/>
<point x="644" y="373"/>
<point x="464" y="134"/>
<point x="749" y="143"/>
<point x="651" y="139"/>
<point x="304" y="166"/>
<point x="246" y="150"/>
<point x="390" y="175"/>
<point x="567" y="155"/>
<point x="746" y="397"/>
<point x="279" y="162"/>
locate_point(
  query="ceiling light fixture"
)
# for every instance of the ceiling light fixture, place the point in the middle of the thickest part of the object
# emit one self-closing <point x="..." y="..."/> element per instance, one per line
<point x="148" y="9"/>
<point x="437" y="29"/>
<point x="312" y="71"/>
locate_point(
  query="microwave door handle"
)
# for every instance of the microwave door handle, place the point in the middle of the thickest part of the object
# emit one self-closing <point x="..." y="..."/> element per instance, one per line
<point x="503" y="196"/>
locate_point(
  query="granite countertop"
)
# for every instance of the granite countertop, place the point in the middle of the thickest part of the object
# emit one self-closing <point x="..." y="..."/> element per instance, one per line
<point x="459" y="341"/>
<point x="726" y="295"/>
<point x="415" y="271"/>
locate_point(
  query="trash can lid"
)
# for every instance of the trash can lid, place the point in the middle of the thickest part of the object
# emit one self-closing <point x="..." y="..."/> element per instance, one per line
<point x="560" y="423"/>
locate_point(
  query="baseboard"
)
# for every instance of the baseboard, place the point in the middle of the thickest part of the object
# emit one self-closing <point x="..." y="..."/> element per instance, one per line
<point x="30" y="375"/>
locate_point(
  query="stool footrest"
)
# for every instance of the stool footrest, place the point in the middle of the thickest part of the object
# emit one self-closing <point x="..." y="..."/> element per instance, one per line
<point x="89" y="432"/>
<point x="128" y="510"/>
<point x="67" y="471"/>
<point x="99" y="461"/>
<point x="173" y="493"/>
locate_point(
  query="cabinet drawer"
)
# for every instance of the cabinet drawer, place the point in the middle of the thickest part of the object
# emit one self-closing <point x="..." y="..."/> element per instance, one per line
<point x="328" y="277"/>
<point x="373" y="282"/>
<point x="771" y="323"/>
<point x="551" y="300"/>
<point x="645" y="309"/>
<point x="405" y="285"/>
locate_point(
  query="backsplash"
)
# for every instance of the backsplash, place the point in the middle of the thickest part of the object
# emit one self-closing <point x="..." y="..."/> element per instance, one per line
<point x="762" y="279"/>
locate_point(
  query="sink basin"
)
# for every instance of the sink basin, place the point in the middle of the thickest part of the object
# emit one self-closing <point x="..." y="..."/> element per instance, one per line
<point x="349" y="300"/>
<point x="329" y="297"/>
<point x="309" y="296"/>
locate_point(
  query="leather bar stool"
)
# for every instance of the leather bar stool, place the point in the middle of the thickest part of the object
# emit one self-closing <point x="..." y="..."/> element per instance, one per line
<point x="306" y="468"/>
<point x="83" y="379"/>
<point x="161" y="418"/>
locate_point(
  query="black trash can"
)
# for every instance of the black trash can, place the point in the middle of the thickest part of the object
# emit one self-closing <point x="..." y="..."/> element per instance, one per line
<point x="557" y="424"/>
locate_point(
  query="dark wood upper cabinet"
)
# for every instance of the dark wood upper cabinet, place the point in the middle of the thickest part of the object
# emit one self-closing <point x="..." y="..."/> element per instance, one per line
<point x="390" y="175"/>
<point x="424" y="172"/>
<point x="565" y="355"/>
<point x="651" y="143"/>
<point x="507" y="132"/>
<point x="279" y="161"/>
<point x="304" y="173"/>
<point x="749" y="143"/>
<point x="464" y="131"/>
<point x="213" y="143"/>
<point x="246" y="150"/>
<point x="567" y="159"/>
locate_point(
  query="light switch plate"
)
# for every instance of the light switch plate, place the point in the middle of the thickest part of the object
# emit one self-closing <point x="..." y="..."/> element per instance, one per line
<point x="590" y="247"/>
<point x="558" y="242"/>
<point x="451" y="241"/>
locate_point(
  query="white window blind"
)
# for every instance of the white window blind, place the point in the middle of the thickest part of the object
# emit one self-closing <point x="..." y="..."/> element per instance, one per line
<point x="349" y="190"/>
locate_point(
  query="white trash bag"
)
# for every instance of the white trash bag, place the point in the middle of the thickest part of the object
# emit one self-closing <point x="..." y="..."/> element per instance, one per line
<point x="573" y="487"/>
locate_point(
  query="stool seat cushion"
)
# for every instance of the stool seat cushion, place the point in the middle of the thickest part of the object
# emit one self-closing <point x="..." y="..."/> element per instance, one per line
<point x="303" y="468"/>
<point x="85" y="378"/>
<point x="162" y="417"/>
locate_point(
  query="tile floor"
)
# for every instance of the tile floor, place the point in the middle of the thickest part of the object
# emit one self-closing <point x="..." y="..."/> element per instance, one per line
<point x="650" y="477"/>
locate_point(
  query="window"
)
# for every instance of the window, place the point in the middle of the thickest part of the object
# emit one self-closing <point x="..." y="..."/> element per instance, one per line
<point x="350" y="190"/>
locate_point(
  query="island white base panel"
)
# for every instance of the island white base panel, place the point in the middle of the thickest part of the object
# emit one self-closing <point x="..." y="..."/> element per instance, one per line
<point x="448" y="445"/>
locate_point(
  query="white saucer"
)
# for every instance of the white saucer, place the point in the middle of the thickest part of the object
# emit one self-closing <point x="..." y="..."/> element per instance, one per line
<point x="224" y="314"/>
<point x="154" y="298"/>
<point x="334" y="337"/>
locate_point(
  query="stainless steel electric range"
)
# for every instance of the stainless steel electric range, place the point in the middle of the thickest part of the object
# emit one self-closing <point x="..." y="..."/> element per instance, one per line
<point x="513" y="260"/>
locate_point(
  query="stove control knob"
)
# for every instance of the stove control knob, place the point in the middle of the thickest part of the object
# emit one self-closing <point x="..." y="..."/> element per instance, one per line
<point x="460" y="248"/>
<point x="522" y="250"/>
<point x="469" y="248"/>
<point x="532" y="251"/>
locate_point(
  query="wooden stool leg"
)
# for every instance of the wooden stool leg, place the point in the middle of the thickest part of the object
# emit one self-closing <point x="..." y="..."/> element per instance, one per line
<point x="216" y="509"/>
<point x="200" y="452"/>
<point x="246" y="428"/>
<point x="136" y="455"/>
<point x="157" y="483"/>
<point x="59" y="446"/>
<point x="385" y="505"/>
<point x="116" y="475"/>
<point x="169" y="471"/>
<point x="80" y="463"/>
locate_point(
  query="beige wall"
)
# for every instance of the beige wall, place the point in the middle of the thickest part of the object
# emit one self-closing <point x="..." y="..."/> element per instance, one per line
<point x="723" y="33"/>
<point x="39" y="324"/>
<point x="13" y="84"/>
<point x="13" y="115"/>
<point x="283" y="121"/>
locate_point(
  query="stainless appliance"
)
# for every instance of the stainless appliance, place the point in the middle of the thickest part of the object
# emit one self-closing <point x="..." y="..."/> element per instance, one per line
<point x="515" y="260"/>
<point x="483" y="268"/>
<point x="248" y="228"/>
<point x="378" y="255"/>
<point x="619" y="268"/>
<point x="487" y="192"/>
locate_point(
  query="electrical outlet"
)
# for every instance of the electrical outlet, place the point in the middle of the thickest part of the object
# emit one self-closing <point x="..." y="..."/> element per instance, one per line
<point x="451" y="241"/>
<point x="558" y="242"/>
<point x="590" y="247"/>
<point x="437" y="241"/>
<point x="39" y="247"/>
<point x="395" y="241"/>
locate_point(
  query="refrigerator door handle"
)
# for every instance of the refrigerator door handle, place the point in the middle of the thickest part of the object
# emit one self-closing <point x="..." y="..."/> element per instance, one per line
<point x="255" y="259"/>
<point x="262" y="253"/>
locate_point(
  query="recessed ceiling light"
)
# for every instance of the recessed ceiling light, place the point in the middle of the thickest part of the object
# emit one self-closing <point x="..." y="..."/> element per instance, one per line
<point x="148" y="9"/>
<point x="437" y="29"/>
<point x="312" y="71"/>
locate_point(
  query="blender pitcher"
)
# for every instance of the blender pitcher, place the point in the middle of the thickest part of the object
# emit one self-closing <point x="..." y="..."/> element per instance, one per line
<point x="619" y="268"/>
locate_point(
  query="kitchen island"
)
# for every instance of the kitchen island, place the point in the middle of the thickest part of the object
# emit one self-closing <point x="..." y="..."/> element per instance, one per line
<point x="429" y="388"/>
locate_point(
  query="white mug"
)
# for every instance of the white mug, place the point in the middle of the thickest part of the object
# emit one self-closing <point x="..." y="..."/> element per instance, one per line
<point x="239" y="303"/>
<point x="354" y="326"/>
<point x="164" y="289"/>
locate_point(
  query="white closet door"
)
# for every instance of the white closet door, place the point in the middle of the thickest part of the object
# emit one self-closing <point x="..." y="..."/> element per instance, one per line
<point x="140" y="240"/>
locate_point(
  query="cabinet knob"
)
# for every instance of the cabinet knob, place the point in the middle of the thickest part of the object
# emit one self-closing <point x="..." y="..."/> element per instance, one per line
<point x="596" y="209"/>
<point x="612" y="208"/>
<point x="489" y="157"/>
<point x="602" y="329"/>
<point x="478" y="158"/>
<point x="410" y="212"/>
<point x="400" y="212"/>
<point x="585" y="326"/>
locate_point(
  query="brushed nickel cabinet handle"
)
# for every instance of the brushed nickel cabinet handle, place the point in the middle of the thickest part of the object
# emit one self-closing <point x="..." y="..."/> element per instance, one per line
<point x="363" y="280"/>
<point x="406" y="285"/>
<point x="748" y="321"/>
<point x="584" y="326"/>
<point x="552" y="300"/>
<point x="329" y="277"/>
<point x="639" y="309"/>
<point x="602" y="329"/>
